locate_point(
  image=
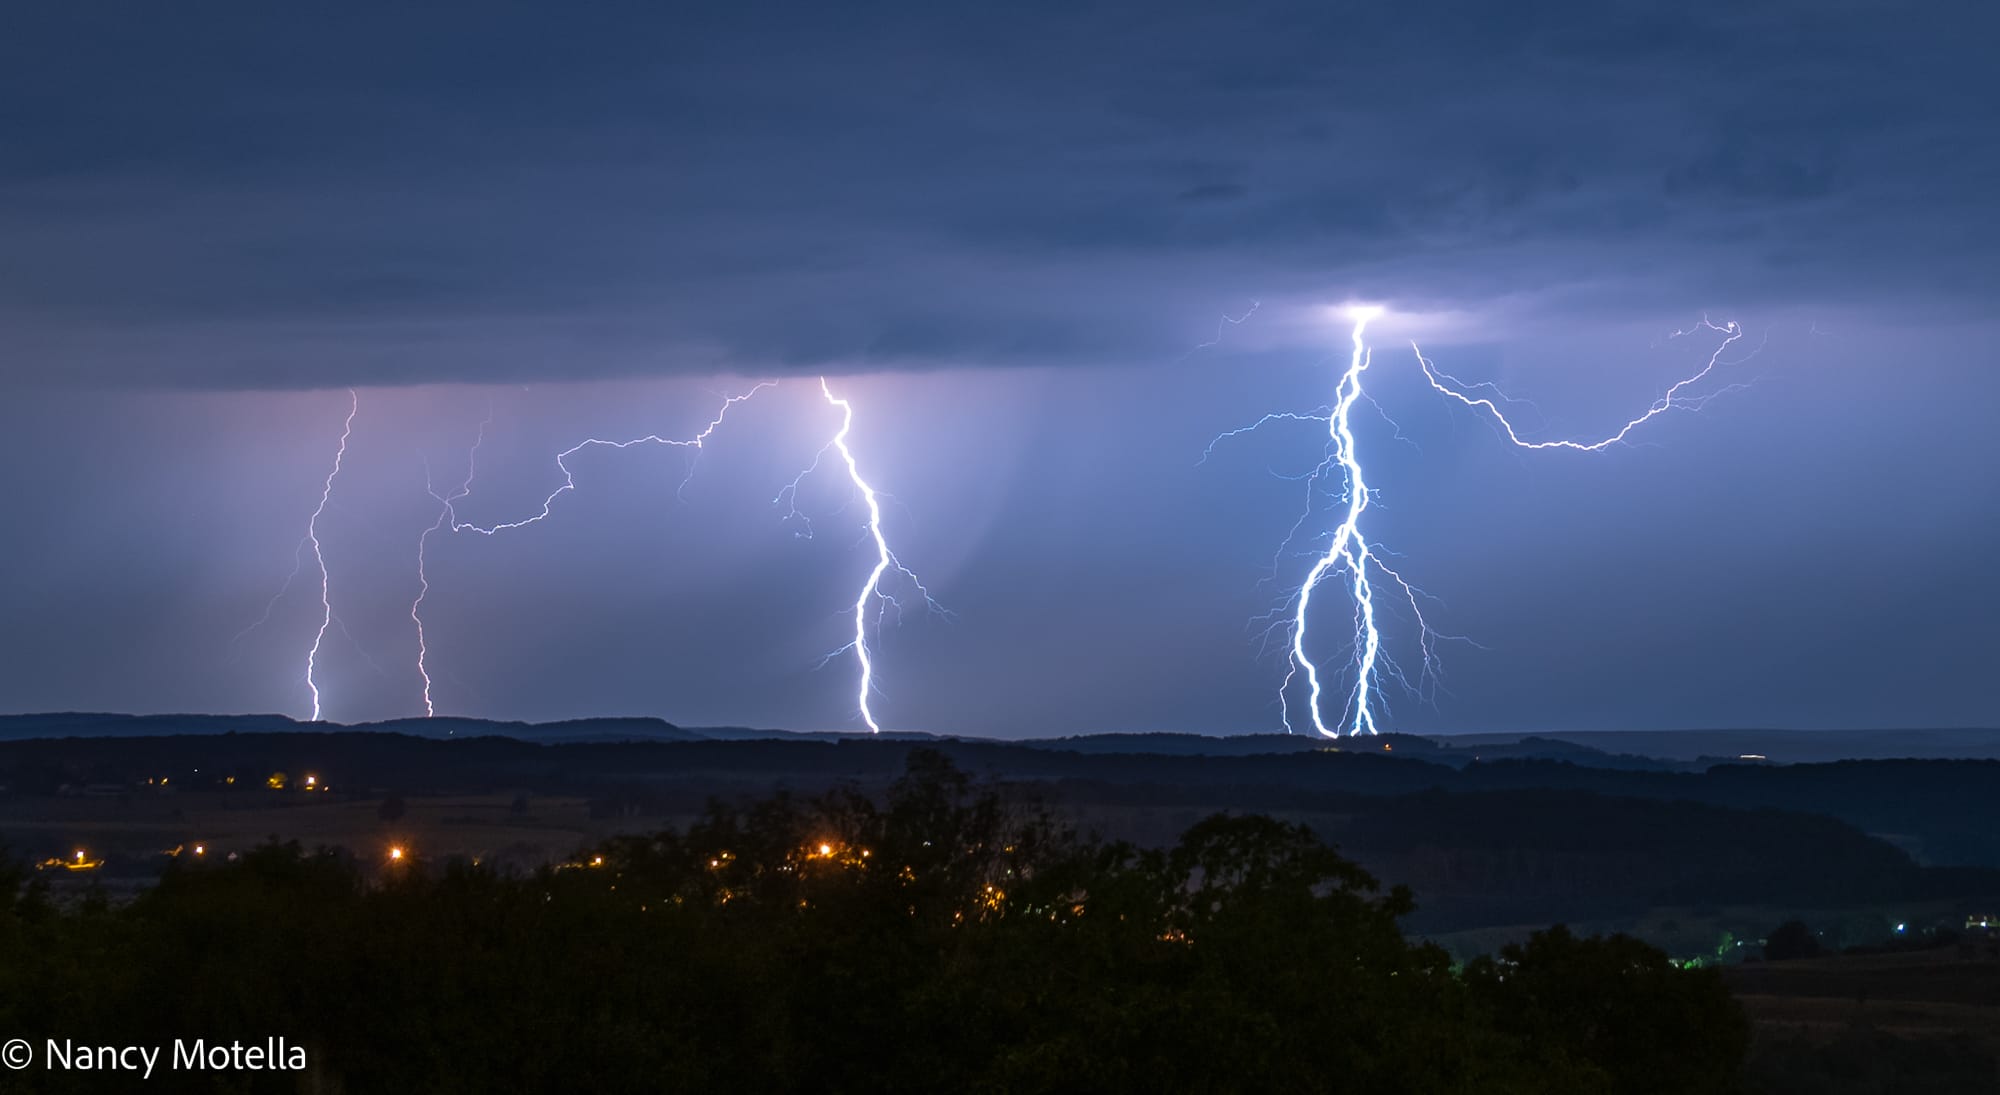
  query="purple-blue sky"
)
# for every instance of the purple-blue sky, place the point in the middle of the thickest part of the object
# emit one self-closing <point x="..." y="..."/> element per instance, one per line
<point x="1004" y="231"/>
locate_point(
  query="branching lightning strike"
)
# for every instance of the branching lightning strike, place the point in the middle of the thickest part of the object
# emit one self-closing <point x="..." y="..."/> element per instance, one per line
<point x="445" y="504"/>
<point x="1450" y="385"/>
<point x="886" y="566"/>
<point x="448" y="507"/>
<point x="694" y="443"/>
<point x="885" y="558"/>
<point x="1349" y="554"/>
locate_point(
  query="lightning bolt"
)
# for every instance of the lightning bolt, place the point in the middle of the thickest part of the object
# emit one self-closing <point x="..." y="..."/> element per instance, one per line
<point x="694" y="443"/>
<point x="874" y="589"/>
<point x="319" y="556"/>
<point x="885" y="558"/>
<point x="445" y="504"/>
<point x="448" y="506"/>
<point x="1455" y="388"/>
<point x="1221" y="325"/>
<point x="1349" y="554"/>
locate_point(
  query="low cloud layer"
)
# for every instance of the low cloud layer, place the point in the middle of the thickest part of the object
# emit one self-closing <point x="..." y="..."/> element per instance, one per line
<point x="253" y="197"/>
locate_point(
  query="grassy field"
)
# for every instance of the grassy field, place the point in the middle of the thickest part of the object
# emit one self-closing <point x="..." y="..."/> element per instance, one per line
<point x="136" y="833"/>
<point x="1917" y="1021"/>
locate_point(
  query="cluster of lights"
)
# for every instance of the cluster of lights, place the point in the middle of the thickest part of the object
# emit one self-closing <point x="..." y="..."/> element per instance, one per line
<point x="278" y="781"/>
<point x="810" y="858"/>
<point x="79" y="860"/>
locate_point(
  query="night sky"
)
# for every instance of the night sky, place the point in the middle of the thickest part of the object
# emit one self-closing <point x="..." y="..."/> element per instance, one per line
<point x="1011" y="233"/>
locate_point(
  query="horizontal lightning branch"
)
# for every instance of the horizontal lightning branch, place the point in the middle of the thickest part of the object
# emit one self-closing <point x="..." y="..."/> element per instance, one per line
<point x="569" y="476"/>
<point x="1673" y="398"/>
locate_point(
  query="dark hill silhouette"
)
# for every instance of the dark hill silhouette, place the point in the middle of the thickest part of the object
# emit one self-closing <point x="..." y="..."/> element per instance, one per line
<point x="1539" y="837"/>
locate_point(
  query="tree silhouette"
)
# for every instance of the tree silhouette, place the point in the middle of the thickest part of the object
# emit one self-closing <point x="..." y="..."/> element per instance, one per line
<point x="944" y="936"/>
<point x="1789" y="940"/>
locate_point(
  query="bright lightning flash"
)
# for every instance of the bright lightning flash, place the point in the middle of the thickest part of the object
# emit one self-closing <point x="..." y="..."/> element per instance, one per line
<point x="885" y="558"/>
<point x="319" y="557"/>
<point x="1350" y="555"/>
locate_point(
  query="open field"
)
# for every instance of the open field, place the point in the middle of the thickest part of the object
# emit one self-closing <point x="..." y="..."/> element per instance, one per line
<point x="133" y="836"/>
<point x="1917" y="1021"/>
<point x="1916" y="993"/>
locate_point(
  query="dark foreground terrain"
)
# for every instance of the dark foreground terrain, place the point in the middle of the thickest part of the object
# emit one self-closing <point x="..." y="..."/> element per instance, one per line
<point x="1901" y="1021"/>
<point x="384" y="870"/>
<point x="940" y="936"/>
<point x="1548" y="832"/>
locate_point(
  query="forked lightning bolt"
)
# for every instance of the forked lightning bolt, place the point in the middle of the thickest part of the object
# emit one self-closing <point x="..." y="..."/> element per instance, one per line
<point x="872" y="590"/>
<point x="445" y="504"/>
<point x="1349" y="553"/>
<point x="885" y="558"/>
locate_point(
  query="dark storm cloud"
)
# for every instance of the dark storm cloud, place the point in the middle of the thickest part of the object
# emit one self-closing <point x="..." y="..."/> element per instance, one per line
<point x="246" y="196"/>
<point x="1213" y="192"/>
<point x="256" y="196"/>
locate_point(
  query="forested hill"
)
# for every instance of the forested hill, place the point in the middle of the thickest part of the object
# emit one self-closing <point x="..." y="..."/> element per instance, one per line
<point x="1943" y="811"/>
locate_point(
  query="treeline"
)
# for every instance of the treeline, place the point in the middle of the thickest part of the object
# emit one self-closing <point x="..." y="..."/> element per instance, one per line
<point x="1946" y="810"/>
<point x="939" y="938"/>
